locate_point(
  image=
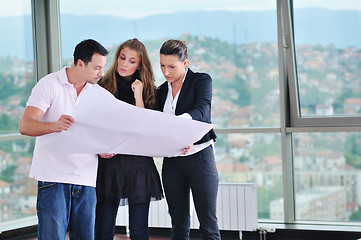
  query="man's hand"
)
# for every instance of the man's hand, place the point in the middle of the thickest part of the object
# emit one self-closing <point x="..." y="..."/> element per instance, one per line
<point x="64" y="123"/>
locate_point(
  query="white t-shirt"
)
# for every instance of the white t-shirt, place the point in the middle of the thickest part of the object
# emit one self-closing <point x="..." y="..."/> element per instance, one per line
<point x="55" y="96"/>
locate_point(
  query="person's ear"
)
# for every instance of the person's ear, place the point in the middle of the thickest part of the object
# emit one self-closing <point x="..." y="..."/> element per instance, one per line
<point x="185" y="62"/>
<point x="80" y="63"/>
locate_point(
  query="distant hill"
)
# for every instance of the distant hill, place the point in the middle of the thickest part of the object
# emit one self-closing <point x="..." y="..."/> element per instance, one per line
<point x="242" y="27"/>
<point x="237" y="27"/>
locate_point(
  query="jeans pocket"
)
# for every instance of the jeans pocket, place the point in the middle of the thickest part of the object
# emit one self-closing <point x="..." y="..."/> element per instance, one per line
<point x="45" y="185"/>
<point x="206" y="163"/>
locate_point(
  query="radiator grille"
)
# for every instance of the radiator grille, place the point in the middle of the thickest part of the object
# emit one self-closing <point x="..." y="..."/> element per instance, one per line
<point x="236" y="209"/>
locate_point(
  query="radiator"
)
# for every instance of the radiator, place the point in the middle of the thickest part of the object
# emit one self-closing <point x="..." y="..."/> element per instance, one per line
<point x="236" y="209"/>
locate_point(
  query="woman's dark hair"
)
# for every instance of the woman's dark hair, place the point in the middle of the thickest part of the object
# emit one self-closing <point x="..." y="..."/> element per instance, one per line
<point x="86" y="49"/>
<point x="175" y="47"/>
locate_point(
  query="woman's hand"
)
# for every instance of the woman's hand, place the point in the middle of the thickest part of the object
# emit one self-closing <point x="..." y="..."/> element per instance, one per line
<point x="107" y="155"/>
<point x="187" y="149"/>
<point x="137" y="87"/>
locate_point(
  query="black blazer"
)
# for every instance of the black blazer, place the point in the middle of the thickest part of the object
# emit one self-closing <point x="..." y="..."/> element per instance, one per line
<point x="195" y="98"/>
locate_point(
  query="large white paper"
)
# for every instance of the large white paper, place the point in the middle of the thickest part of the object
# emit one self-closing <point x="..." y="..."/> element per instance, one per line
<point x="103" y="124"/>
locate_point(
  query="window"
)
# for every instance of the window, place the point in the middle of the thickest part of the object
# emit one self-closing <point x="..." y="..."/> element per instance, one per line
<point x="328" y="59"/>
<point x="17" y="191"/>
<point x="327" y="168"/>
<point x="236" y="46"/>
<point x="235" y="42"/>
<point x="303" y="155"/>
<point x="253" y="158"/>
<point x="322" y="50"/>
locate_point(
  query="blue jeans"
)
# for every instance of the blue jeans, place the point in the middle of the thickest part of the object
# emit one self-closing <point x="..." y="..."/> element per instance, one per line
<point x="61" y="206"/>
<point x="196" y="172"/>
<point x="106" y="214"/>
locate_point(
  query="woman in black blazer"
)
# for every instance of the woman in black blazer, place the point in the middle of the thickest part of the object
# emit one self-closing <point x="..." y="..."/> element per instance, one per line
<point x="188" y="94"/>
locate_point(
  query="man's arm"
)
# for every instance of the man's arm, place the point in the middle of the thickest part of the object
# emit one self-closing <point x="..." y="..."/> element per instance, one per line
<point x="31" y="125"/>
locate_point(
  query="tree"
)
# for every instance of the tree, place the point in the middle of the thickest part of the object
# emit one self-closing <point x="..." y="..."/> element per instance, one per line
<point x="8" y="173"/>
<point x="356" y="216"/>
<point x="353" y="150"/>
<point x="7" y="123"/>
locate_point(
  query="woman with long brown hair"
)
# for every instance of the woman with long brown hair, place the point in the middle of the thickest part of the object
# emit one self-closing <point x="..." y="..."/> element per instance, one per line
<point x="126" y="179"/>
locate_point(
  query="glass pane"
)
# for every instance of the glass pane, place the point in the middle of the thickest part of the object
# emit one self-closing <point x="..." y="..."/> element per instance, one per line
<point x="234" y="41"/>
<point x="328" y="56"/>
<point x="17" y="191"/>
<point x="253" y="158"/>
<point x="327" y="169"/>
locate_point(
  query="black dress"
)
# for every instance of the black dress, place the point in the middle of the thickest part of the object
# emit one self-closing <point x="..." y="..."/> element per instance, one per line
<point x="127" y="179"/>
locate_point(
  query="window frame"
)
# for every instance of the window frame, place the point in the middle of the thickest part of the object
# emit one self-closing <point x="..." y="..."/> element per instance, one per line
<point x="47" y="58"/>
<point x="352" y="123"/>
<point x="293" y="122"/>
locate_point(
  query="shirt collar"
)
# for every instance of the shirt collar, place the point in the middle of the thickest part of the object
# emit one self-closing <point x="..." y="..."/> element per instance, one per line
<point x="62" y="76"/>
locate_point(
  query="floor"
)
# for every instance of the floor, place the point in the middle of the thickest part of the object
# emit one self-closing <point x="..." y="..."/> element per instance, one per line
<point x="155" y="234"/>
<point x="116" y="237"/>
<point x="194" y="236"/>
<point x="280" y="234"/>
<point x="122" y="237"/>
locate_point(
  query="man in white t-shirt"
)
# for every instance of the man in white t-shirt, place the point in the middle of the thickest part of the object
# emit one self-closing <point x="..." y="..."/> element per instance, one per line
<point x="66" y="182"/>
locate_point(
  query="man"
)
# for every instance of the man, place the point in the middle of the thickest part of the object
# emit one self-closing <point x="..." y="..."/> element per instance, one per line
<point x="66" y="182"/>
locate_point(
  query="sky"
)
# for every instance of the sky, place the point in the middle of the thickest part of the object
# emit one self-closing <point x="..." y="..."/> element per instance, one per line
<point x="141" y="8"/>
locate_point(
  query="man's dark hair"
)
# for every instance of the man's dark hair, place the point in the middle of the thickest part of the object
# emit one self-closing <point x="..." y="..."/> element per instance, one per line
<point x="86" y="49"/>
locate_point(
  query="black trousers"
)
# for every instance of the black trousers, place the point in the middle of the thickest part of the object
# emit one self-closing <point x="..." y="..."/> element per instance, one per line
<point x="198" y="173"/>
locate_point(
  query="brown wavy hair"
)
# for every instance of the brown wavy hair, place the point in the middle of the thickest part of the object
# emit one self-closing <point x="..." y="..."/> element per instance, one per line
<point x="146" y="72"/>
